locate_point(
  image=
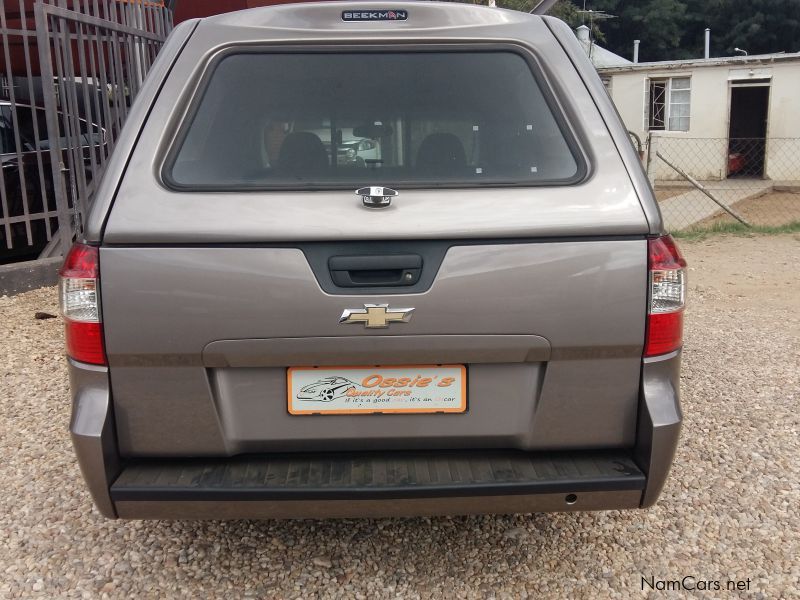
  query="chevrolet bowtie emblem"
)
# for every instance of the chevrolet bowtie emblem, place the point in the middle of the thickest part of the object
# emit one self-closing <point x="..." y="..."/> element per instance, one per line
<point x="376" y="315"/>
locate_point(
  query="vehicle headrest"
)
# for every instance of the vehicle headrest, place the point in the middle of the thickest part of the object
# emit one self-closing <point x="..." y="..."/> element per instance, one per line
<point x="441" y="153"/>
<point x="302" y="152"/>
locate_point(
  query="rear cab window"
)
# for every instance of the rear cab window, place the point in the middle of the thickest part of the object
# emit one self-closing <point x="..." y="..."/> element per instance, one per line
<point x="327" y="120"/>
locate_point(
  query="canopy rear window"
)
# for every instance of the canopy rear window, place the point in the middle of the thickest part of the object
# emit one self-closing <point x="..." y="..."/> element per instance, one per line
<point x="312" y="120"/>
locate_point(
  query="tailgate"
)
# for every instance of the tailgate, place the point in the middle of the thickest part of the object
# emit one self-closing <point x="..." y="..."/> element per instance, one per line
<point x="199" y="341"/>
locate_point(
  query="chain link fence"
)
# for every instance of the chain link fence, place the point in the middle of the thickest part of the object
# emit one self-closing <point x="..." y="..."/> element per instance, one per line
<point x="705" y="183"/>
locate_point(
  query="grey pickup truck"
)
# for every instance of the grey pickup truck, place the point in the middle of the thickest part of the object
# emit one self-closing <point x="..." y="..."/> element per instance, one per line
<point x="360" y="259"/>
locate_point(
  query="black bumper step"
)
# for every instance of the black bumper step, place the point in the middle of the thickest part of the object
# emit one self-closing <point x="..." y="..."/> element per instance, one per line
<point x="376" y="475"/>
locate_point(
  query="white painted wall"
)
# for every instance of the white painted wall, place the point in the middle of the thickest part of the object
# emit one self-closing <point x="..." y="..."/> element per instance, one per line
<point x="702" y="151"/>
<point x="783" y="147"/>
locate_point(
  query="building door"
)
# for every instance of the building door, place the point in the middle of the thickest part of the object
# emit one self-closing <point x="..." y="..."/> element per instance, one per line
<point x="747" y="143"/>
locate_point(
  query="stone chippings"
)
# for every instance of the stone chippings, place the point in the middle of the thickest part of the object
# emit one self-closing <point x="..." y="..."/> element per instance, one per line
<point x="731" y="508"/>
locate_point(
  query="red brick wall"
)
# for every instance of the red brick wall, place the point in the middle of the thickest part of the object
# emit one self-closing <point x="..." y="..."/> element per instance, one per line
<point x="189" y="9"/>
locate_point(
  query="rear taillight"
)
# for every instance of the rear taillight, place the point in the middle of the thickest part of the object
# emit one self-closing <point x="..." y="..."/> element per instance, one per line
<point x="80" y="305"/>
<point x="667" y="277"/>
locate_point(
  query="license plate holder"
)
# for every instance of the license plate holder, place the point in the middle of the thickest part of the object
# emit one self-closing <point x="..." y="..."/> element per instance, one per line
<point x="409" y="389"/>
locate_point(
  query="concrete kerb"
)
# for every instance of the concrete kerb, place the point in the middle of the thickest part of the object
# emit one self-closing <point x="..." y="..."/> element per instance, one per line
<point x="16" y="278"/>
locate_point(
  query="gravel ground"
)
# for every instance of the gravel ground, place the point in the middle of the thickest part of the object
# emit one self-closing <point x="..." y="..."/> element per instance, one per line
<point x="731" y="509"/>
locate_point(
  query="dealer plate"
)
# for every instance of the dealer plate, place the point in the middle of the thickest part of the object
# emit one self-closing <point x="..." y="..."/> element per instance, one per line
<point x="364" y="390"/>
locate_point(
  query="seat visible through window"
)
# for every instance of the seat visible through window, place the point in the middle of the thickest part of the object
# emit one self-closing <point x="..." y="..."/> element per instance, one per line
<point x="302" y="153"/>
<point x="441" y="153"/>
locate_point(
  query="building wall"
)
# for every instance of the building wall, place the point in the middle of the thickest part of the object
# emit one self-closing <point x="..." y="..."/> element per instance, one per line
<point x="702" y="150"/>
<point x="783" y="147"/>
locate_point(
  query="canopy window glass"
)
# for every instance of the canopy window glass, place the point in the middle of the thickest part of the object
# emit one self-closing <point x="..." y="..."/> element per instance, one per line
<point x="315" y="120"/>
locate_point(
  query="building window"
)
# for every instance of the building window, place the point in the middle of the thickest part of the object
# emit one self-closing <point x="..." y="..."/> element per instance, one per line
<point x="667" y="104"/>
<point x="679" y="92"/>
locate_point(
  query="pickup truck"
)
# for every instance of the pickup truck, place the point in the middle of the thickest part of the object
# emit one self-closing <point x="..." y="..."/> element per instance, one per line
<point x="486" y="319"/>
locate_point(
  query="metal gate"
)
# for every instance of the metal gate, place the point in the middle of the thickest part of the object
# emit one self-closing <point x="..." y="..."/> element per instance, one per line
<point x="71" y="69"/>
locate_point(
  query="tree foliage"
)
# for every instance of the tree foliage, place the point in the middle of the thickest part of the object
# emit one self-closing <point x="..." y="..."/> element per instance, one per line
<point x="758" y="26"/>
<point x="657" y="23"/>
<point x="565" y="10"/>
<point x="674" y="29"/>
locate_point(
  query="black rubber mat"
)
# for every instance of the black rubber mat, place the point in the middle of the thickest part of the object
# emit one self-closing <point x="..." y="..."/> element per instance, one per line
<point x="365" y="475"/>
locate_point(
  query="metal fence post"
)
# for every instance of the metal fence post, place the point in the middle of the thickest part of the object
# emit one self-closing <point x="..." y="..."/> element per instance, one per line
<point x="51" y="118"/>
<point x="652" y="150"/>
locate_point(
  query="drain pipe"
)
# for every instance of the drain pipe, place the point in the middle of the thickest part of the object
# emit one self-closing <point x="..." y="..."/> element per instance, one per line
<point x="636" y="51"/>
<point x="708" y="43"/>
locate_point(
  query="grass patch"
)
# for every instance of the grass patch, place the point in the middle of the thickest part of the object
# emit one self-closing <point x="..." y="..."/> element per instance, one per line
<point x="736" y="228"/>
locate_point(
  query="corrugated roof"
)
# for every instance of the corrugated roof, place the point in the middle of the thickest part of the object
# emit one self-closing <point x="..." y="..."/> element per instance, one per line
<point x="662" y="65"/>
<point x="599" y="56"/>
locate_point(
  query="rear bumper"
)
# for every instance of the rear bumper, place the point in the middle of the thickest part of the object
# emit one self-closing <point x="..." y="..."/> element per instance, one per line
<point x="375" y="484"/>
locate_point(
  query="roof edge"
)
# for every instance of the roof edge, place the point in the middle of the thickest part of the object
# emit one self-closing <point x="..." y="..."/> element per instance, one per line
<point x="756" y="59"/>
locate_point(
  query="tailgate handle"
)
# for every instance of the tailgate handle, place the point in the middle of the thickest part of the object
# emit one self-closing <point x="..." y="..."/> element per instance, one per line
<point x="375" y="271"/>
